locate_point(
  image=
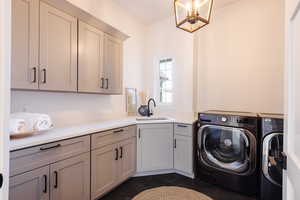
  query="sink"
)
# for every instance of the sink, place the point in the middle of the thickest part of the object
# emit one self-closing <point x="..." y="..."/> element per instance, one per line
<point x="152" y="118"/>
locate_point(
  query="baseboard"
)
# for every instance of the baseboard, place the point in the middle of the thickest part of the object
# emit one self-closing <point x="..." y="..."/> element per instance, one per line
<point x="167" y="171"/>
<point x="156" y="172"/>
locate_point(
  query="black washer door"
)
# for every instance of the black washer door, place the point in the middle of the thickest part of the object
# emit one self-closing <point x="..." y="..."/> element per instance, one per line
<point x="226" y="148"/>
<point x="272" y="158"/>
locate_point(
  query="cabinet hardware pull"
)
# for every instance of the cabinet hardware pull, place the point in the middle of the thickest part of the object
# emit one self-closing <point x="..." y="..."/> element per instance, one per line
<point x="121" y="149"/>
<point x="139" y="133"/>
<point x="56" y="179"/>
<point x="102" y="83"/>
<point x="44" y="76"/>
<point x="118" y="131"/>
<point x="34" y="75"/>
<point x="117" y="154"/>
<point x="47" y="148"/>
<point x="46" y="183"/>
<point x="175" y="143"/>
<point x="106" y="83"/>
<point x="182" y="126"/>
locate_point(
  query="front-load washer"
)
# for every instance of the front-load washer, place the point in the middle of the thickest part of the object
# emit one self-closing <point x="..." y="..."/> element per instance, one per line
<point x="227" y="150"/>
<point x="273" y="159"/>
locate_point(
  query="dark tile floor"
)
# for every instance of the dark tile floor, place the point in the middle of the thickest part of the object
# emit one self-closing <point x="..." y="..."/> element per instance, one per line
<point x="133" y="186"/>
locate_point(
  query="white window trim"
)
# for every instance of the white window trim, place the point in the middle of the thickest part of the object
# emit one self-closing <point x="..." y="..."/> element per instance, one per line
<point x="157" y="79"/>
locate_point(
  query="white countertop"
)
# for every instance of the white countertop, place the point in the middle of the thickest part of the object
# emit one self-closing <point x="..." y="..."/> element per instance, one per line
<point x="58" y="134"/>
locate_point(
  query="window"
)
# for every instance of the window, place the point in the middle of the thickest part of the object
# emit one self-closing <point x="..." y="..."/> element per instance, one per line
<point x="165" y="81"/>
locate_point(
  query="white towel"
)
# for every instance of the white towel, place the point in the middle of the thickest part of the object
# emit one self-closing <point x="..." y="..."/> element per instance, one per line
<point x="17" y="126"/>
<point x="34" y="121"/>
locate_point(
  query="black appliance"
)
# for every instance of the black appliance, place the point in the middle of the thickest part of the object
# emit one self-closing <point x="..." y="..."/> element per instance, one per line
<point x="272" y="157"/>
<point x="227" y="150"/>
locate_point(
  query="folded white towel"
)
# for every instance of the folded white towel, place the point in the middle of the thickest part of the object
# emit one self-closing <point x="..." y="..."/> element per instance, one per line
<point x="34" y="121"/>
<point x="17" y="126"/>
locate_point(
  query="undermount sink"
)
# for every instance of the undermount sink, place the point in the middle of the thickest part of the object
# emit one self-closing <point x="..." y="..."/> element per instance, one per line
<point x="151" y="118"/>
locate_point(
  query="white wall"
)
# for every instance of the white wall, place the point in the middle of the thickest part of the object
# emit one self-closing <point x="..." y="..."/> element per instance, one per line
<point x="241" y="58"/>
<point x="5" y="47"/>
<point x="68" y="108"/>
<point x="164" y="40"/>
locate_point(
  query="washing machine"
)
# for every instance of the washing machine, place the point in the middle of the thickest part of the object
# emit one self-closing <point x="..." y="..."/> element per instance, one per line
<point x="272" y="157"/>
<point x="227" y="150"/>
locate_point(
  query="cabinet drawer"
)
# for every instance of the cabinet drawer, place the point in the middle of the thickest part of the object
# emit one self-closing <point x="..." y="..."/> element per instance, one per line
<point x="183" y="129"/>
<point x="34" y="157"/>
<point x="112" y="136"/>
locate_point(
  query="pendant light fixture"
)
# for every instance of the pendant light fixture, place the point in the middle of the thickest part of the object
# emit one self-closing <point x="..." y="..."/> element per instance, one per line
<point x="191" y="15"/>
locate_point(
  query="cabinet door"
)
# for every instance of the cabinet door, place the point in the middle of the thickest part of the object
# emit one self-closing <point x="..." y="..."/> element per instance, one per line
<point x="33" y="185"/>
<point x="90" y="59"/>
<point x="70" y="179"/>
<point x="183" y="154"/>
<point x="25" y="44"/>
<point x="113" y="64"/>
<point x="155" y="147"/>
<point x="58" y="50"/>
<point x="104" y="170"/>
<point x="127" y="163"/>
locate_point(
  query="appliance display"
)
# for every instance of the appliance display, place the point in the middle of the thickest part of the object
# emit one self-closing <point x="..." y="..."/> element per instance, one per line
<point x="227" y="150"/>
<point x="272" y="157"/>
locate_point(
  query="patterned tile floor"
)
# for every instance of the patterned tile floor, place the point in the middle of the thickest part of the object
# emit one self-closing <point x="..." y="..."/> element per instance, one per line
<point x="133" y="186"/>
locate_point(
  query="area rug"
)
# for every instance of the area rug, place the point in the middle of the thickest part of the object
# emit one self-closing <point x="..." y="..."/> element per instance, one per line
<point x="171" y="193"/>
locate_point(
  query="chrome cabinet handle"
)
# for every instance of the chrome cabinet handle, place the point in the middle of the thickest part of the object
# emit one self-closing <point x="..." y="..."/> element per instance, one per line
<point x="52" y="147"/>
<point x="139" y="133"/>
<point x="34" y="75"/>
<point x="45" y="184"/>
<point x="56" y="179"/>
<point x="175" y="143"/>
<point x="107" y="83"/>
<point x="44" y="76"/>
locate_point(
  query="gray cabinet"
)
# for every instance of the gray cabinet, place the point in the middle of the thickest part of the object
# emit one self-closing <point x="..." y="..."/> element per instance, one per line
<point x="33" y="185"/>
<point x="49" y="51"/>
<point x="70" y="179"/>
<point x="58" y="49"/>
<point x="154" y="147"/>
<point x="104" y="170"/>
<point x="25" y="44"/>
<point x="113" y="159"/>
<point x="55" y="171"/>
<point x="127" y="166"/>
<point x="91" y="77"/>
<point x="113" y="64"/>
<point x="183" y="149"/>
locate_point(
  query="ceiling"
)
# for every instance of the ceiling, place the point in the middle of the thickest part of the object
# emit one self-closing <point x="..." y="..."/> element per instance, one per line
<point x="151" y="11"/>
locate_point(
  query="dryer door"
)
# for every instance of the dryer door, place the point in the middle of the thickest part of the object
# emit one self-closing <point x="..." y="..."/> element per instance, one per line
<point x="228" y="149"/>
<point x="272" y="164"/>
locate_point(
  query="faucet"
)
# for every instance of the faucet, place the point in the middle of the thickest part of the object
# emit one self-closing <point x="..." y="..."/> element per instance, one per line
<point x="149" y="111"/>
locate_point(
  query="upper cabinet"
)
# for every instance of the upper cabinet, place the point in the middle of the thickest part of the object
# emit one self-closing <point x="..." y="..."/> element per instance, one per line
<point x="90" y="59"/>
<point x="25" y="44"/>
<point x="59" y="47"/>
<point x="113" y="55"/>
<point x="58" y="50"/>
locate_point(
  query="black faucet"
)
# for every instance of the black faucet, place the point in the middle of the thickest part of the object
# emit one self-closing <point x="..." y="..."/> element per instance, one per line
<point x="149" y="111"/>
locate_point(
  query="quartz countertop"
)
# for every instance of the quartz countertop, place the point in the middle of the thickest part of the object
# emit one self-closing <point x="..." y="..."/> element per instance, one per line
<point x="58" y="134"/>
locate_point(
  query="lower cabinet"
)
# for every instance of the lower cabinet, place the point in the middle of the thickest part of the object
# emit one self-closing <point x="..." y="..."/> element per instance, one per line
<point x="155" y="147"/>
<point x="67" y="179"/>
<point x="183" y="151"/>
<point x="70" y="179"/>
<point x="33" y="185"/>
<point x="111" y="165"/>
